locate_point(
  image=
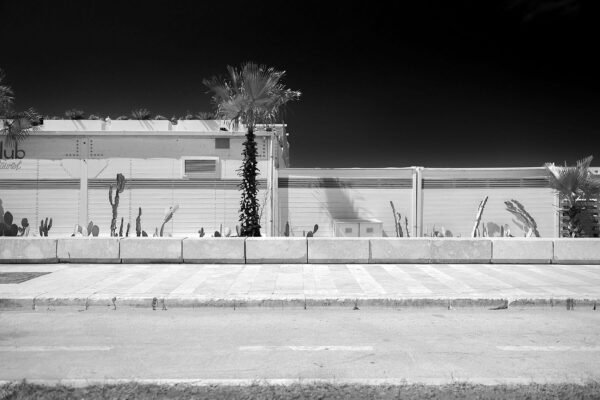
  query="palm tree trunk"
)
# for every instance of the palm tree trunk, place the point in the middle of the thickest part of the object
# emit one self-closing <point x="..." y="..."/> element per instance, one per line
<point x="249" y="215"/>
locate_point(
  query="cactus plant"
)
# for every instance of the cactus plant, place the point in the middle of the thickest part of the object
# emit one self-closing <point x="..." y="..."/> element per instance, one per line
<point x="474" y="232"/>
<point x="128" y="226"/>
<point x="121" y="228"/>
<point x="286" y="232"/>
<point x="168" y="215"/>
<point x="24" y="229"/>
<point x="138" y="223"/>
<point x="397" y="220"/>
<point x="45" y="227"/>
<point x="201" y="232"/>
<point x="120" y="186"/>
<point x="312" y="233"/>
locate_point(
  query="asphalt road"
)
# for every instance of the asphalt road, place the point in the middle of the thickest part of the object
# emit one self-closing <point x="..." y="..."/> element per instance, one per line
<point x="433" y="345"/>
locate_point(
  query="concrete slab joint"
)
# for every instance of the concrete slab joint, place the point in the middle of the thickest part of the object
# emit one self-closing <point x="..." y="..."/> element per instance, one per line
<point x="338" y="250"/>
<point x="461" y="250"/>
<point x="284" y="250"/>
<point x="400" y="250"/>
<point x="214" y="250"/>
<point x="151" y="250"/>
<point x="576" y="251"/>
<point x="522" y="250"/>
<point x="88" y="250"/>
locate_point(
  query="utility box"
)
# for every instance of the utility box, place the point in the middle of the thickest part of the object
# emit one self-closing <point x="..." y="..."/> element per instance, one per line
<point x="357" y="228"/>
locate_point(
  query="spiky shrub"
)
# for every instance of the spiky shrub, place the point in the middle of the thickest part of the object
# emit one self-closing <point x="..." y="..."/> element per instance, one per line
<point x="577" y="187"/>
<point x="169" y="212"/>
<point x="114" y="203"/>
<point x="74" y="114"/>
<point x="141" y="113"/>
<point x="252" y="94"/>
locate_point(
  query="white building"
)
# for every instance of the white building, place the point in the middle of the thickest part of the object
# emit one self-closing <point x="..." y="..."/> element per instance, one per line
<point x="64" y="170"/>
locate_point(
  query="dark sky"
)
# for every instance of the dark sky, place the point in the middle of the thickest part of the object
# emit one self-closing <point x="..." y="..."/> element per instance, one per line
<point x="477" y="83"/>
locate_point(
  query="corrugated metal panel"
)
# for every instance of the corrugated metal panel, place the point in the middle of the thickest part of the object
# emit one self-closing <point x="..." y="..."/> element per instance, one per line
<point x="100" y="210"/>
<point x="21" y="202"/>
<point x="62" y="205"/>
<point x="304" y="207"/>
<point x="343" y="173"/>
<point x="485" y="183"/>
<point x="344" y="183"/>
<point x="455" y="210"/>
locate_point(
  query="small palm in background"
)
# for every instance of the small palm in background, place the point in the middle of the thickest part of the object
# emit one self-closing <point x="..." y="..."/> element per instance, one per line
<point x="15" y="125"/>
<point x="577" y="187"/>
<point x="251" y="95"/>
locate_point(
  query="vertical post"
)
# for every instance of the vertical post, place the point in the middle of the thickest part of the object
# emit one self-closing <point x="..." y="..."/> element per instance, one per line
<point x="417" y="202"/>
<point x="275" y="186"/>
<point x="414" y="208"/>
<point x="83" y="192"/>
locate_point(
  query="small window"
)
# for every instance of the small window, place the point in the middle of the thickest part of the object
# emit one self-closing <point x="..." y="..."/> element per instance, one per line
<point x="369" y="230"/>
<point x="348" y="230"/>
<point x="200" y="168"/>
<point x="221" y="143"/>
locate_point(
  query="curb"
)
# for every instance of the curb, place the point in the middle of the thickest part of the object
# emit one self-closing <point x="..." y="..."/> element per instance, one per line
<point x="164" y="303"/>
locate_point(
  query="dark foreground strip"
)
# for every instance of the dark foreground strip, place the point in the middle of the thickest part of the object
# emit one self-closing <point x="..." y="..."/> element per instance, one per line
<point x="134" y="391"/>
<point x="19" y="277"/>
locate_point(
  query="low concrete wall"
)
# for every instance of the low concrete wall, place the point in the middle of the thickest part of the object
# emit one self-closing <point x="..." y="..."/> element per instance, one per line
<point x="576" y="251"/>
<point x="151" y="250"/>
<point x="394" y="250"/>
<point x="522" y="250"/>
<point x="214" y="250"/>
<point x="299" y="250"/>
<point x="461" y="250"/>
<point x="338" y="250"/>
<point x="271" y="250"/>
<point x="88" y="250"/>
<point x="15" y="250"/>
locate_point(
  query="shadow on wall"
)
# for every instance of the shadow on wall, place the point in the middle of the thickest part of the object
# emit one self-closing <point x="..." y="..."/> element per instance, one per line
<point x="338" y="200"/>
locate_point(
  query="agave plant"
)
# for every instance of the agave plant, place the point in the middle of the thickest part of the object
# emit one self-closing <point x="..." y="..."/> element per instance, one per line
<point x="576" y="185"/>
<point x="141" y="113"/>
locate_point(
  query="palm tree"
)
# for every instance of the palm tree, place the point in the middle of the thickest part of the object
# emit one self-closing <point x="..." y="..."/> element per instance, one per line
<point x="251" y="95"/>
<point x="576" y="185"/>
<point x="15" y="125"/>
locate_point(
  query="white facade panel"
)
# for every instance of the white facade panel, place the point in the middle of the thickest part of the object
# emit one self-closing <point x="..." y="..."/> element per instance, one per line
<point x="455" y="210"/>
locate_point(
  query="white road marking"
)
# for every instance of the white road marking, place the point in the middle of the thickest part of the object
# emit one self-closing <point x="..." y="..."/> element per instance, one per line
<point x="306" y="348"/>
<point x="83" y="382"/>
<point x="549" y="348"/>
<point x="19" y="349"/>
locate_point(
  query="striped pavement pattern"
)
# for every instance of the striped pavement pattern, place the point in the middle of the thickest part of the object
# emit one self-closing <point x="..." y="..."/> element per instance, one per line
<point x="250" y="281"/>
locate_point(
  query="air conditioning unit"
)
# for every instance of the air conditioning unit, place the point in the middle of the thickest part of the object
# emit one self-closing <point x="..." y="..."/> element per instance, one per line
<point x="357" y="228"/>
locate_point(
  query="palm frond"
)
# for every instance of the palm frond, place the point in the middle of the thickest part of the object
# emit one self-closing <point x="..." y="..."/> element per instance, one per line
<point x="574" y="182"/>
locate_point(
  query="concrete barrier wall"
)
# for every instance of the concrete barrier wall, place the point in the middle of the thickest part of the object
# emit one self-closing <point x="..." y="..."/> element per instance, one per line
<point x="88" y="250"/>
<point x="151" y="250"/>
<point x="214" y="250"/>
<point x="300" y="250"/>
<point x="27" y="250"/>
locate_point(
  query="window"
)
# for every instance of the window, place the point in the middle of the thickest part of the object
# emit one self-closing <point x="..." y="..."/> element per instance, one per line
<point x="200" y="167"/>
<point x="221" y="143"/>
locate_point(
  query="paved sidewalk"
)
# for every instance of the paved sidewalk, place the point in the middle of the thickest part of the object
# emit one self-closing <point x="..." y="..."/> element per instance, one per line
<point x="301" y="285"/>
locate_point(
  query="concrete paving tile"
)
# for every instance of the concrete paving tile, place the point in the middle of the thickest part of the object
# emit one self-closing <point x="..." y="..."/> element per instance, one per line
<point x="406" y="280"/>
<point x="364" y="279"/>
<point x="245" y="279"/>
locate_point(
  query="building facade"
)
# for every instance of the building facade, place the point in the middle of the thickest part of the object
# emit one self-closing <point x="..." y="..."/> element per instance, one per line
<point x="64" y="169"/>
